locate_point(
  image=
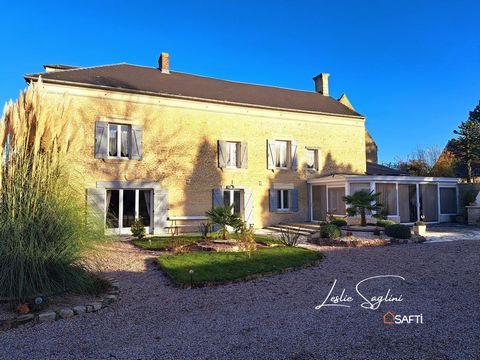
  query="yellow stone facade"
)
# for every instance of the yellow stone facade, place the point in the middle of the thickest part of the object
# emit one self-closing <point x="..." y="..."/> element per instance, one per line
<point x="180" y="146"/>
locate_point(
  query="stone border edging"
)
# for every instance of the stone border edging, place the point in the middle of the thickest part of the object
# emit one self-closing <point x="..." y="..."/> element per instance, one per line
<point x="242" y="279"/>
<point x="65" y="313"/>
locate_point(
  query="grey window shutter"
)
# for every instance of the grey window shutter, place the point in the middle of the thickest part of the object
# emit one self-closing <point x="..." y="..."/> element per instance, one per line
<point x="244" y="155"/>
<point x="136" y="142"/>
<point x="248" y="207"/>
<point x="101" y="140"/>
<point x="294" y="200"/>
<point x="222" y="154"/>
<point x="217" y="197"/>
<point x="160" y="211"/>
<point x="271" y="154"/>
<point x="273" y="200"/>
<point x="293" y="150"/>
<point x="96" y="205"/>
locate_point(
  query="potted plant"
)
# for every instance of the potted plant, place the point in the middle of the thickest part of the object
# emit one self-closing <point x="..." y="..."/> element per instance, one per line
<point x="419" y="228"/>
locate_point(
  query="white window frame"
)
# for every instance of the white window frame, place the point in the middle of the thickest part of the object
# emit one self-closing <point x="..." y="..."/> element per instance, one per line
<point x="287" y="154"/>
<point x="315" y="159"/>
<point x="440" y="187"/>
<point x="119" y="141"/>
<point x="281" y="198"/>
<point x="237" y="151"/>
<point x="120" y="230"/>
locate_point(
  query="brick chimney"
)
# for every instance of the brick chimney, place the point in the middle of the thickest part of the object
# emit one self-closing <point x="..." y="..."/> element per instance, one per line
<point x="163" y="63"/>
<point x="321" y="83"/>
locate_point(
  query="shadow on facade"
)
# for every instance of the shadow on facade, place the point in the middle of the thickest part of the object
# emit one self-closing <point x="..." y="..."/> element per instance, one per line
<point x="197" y="186"/>
<point x="330" y="167"/>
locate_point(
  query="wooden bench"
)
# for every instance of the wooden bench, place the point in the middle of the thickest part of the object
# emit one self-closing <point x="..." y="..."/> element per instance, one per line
<point x="174" y="227"/>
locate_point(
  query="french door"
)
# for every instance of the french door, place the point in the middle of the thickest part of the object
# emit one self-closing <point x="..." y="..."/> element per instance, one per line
<point x="124" y="206"/>
<point x="235" y="198"/>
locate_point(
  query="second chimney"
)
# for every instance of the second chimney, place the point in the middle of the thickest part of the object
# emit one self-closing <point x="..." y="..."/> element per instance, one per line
<point x="163" y="63"/>
<point x="321" y="83"/>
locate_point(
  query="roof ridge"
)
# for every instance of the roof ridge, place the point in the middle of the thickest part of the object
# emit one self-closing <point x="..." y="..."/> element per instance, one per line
<point x="231" y="81"/>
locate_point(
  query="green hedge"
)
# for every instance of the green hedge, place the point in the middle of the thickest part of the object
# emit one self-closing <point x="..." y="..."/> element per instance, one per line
<point x="398" y="231"/>
<point x="339" y="222"/>
<point x="330" y="231"/>
<point x="384" y="223"/>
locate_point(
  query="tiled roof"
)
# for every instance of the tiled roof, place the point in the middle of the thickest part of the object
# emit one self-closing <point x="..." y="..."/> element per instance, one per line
<point x="141" y="79"/>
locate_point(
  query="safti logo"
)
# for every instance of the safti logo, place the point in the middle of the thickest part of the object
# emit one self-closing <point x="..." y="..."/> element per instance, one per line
<point x="390" y="318"/>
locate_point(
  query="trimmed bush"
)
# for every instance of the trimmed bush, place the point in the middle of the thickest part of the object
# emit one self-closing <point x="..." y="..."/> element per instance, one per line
<point x="138" y="229"/>
<point x="339" y="222"/>
<point x="398" y="231"/>
<point x="330" y="231"/>
<point x="384" y="223"/>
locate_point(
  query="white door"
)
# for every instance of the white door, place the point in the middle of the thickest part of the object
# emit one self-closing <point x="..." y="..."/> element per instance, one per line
<point x="124" y="206"/>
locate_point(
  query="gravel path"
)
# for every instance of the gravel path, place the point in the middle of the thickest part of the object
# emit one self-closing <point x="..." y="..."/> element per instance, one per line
<point x="275" y="317"/>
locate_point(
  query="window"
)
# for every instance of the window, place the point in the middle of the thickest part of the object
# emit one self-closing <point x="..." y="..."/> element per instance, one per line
<point x="232" y="154"/>
<point x="118" y="140"/>
<point x="312" y="159"/>
<point x="124" y="206"/>
<point x="388" y="198"/>
<point x="355" y="187"/>
<point x="336" y="205"/>
<point x="448" y="200"/>
<point x="281" y="152"/>
<point x="283" y="199"/>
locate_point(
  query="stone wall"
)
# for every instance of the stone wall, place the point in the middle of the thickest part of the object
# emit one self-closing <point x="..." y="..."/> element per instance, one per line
<point x="180" y="147"/>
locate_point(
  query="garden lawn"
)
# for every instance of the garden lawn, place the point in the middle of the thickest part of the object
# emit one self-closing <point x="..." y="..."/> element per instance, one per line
<point x="164" y="242"/>
<point x="218" y="267"/>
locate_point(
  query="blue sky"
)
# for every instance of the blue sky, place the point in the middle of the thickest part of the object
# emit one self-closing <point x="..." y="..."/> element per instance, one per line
<point x="412" y="67"/>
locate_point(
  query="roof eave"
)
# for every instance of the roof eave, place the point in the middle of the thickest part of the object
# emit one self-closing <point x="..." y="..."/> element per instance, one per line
<point x="33" y="77"/>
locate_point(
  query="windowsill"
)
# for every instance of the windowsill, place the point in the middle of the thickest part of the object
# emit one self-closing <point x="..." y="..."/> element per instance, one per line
<point x="282" y="168"/>
<point x="117" y="158"/>
<point x="284" y="211"/>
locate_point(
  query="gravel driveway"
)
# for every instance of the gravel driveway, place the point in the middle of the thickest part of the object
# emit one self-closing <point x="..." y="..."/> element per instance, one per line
<point x="275" y="317"/>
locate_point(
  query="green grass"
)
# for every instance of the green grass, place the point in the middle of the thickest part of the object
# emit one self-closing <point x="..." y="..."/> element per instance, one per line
<point x="218" y="267"/>
<point x="164" y="242"/>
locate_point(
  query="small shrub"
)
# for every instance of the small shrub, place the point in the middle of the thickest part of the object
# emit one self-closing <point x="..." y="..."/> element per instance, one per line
<point x="339" y="222"/>
<point x="383" y="223"/>
<point x="205" y="229"/>
<point x="330" y="231"/>
<point x="246" y="239"/>
<point x="176" y="243"/>
<point x="398" y="231"/>
<point x="289" y="237"/>
<point x="138" y="229"/>
<point x="469" y="197"/>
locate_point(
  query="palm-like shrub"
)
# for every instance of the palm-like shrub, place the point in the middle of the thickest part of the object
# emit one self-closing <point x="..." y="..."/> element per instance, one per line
<point x="43" y="232"/>
<point x="224" y="216"/>
<point x="363" y="202"/>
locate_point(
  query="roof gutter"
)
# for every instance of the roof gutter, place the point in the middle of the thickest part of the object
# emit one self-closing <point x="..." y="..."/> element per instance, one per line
<point x="29" y="78"/>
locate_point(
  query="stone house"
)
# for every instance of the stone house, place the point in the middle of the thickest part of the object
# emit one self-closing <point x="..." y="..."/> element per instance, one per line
<point x="163" y="146"/>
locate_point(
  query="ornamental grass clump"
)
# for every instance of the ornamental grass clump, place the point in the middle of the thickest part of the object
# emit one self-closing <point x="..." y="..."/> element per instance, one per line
<point x="43" y="223"/>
